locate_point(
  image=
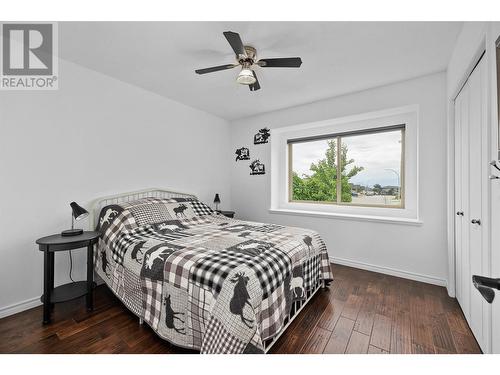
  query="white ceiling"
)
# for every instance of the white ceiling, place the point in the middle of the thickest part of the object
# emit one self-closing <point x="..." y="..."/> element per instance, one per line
<point x="338" y="58"/>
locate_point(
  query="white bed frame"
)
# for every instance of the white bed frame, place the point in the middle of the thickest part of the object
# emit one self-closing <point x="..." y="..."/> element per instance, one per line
<point x="97" y="204"/>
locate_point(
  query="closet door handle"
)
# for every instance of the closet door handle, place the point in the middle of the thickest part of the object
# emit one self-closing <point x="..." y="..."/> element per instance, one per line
<point x="460" y="213"/>
<point x="476" y="221"/>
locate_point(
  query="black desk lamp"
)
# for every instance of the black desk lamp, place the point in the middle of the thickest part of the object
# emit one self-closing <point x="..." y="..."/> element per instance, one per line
<point x="217" y="201"/>
<point x="78" y="214"/>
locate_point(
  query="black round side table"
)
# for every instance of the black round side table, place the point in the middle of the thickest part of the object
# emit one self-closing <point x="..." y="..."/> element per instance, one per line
<point x="52" y="244"/>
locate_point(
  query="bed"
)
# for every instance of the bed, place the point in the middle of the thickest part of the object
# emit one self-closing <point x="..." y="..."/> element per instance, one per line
<point x="201" y="280"/>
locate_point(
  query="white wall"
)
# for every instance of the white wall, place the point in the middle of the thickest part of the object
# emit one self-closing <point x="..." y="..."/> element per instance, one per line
<point x="465" y="54"/>
<point x="418" y="252"/>
<point x="94" y="136"/>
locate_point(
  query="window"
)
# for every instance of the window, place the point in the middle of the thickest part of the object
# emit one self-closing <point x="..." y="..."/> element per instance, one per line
<point x="358" y="168"/>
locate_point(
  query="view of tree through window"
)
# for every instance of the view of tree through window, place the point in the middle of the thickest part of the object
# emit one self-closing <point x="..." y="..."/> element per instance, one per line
<point x="368" y="174"/>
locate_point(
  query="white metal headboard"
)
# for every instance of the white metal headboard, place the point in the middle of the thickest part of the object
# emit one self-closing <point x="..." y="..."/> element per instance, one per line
<point x="98" y="203"/>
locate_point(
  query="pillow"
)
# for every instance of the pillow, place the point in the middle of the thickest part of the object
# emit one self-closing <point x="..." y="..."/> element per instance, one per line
<point x="200" y="208"/>
<point x="149" y="211"/>
<point x="158" y="210"/>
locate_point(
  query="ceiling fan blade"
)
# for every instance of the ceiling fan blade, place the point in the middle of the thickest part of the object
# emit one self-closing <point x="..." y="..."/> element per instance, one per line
<point x="216" y="68"/>
<point x="235" y="42"/>
<point x="256" y="85"/>
<point x="286" y="62"/>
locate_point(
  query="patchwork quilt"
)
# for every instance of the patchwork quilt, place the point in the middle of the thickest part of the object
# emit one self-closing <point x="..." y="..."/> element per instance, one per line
<point x="205" y="281"/>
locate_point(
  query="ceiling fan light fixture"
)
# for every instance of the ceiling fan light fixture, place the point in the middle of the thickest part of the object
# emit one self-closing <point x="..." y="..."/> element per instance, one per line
<point x="246" y="77"/>
<point x="246" y="57"/>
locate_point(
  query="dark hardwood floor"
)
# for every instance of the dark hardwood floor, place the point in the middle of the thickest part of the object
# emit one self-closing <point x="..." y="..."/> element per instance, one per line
<point x="361" y="312"/>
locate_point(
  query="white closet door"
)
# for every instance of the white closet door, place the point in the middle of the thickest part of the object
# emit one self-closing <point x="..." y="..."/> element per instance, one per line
<point x="470" y="198"/>
<point x="475" y="198"/>
<point x="463" y="182"/>
<point x="458" y="198"/>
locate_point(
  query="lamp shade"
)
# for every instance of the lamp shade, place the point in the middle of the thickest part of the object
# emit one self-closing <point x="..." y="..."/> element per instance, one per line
<point x="79" y="212"/>
<point x="246" y="77"/>
<point x="217" y="199"/>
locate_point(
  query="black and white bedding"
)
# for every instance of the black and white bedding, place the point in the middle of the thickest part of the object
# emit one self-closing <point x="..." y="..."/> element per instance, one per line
<point x="202" y="280"/>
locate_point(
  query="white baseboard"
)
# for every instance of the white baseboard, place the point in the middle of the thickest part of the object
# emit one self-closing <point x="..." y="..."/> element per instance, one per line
<point x="20" y="306"/>
<point x="32" y="302"/>
<point x="390" y="271"/>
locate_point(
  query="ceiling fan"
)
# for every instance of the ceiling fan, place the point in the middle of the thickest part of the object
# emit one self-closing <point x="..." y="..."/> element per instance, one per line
<point x="246" y="57"/>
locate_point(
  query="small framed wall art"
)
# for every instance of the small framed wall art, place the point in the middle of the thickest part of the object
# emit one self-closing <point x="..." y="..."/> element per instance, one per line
<point x="262" y="136"/>
<point x="256" y="167"/>
<point x="242" y="153"/>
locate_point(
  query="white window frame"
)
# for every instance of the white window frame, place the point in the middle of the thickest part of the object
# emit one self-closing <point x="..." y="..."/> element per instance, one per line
<point x="279" y="166"/>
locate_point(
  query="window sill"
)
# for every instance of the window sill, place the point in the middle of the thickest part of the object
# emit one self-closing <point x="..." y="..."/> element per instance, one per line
<point x="341" y="216"/>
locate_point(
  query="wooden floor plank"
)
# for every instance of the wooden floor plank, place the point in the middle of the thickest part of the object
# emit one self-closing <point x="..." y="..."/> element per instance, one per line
<point x="366" y="315"/>
<point x="465" y="343"/>
<point x="420" y="323"/>
<point x="360" y="312"/>
<point x="341" y="334"/>
<point x="317" y="341"/>
<point x="303" y="325"/>
<point x="441" y="334"/>
<point x="374" y="350"/>
<point x="401" y="342"/>
<point x="358" y="343"/>
<point x="331" y="314"/>
<point x="381" y="333"/>
<point x="92" y="321"/>
<point x="456" y="320"/>
<point x="422" y="348"/>
<point x="352" y="306"/>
